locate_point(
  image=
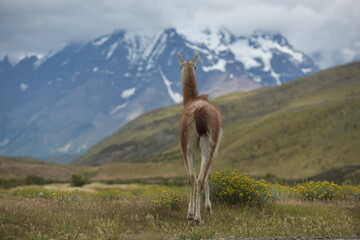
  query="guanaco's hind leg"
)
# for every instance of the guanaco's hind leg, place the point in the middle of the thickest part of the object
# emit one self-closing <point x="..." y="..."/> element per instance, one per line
<point x="207" y="147"/>
<point x="192" y="183"/>
<point x="207" y="194"/>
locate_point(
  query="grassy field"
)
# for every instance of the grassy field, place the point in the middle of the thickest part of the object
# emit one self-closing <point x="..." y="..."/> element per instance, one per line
<point x="100" y="211"/>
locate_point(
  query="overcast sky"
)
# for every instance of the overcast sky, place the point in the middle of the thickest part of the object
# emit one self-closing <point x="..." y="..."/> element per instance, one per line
<point x="326" y="28"/>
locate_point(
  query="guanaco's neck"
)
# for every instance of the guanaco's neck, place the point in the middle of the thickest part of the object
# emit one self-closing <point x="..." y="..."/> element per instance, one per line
<point x="190" y="91"/>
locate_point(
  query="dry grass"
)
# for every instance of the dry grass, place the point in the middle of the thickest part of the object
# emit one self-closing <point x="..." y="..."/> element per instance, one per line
<point x="66" y="187"/>
<point x="89" y="188"/>
<point x="135" y="213"/>
<point x="137" y="171"/>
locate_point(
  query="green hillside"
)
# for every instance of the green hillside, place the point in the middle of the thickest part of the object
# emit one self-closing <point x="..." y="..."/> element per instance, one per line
<point x="292" y="131"/>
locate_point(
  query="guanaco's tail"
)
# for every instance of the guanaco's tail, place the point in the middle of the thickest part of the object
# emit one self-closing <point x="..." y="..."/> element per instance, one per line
<point x="201" y="116"/>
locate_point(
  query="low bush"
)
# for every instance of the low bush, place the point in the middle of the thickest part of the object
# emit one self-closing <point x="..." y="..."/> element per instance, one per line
<point x="28" y="180"/>
<point x="234" y="188"/>
<point x="320" y="190"/>
<point x="168" y="199"/>
<point x="351" y="192"/>
<point x="77" y="181"/>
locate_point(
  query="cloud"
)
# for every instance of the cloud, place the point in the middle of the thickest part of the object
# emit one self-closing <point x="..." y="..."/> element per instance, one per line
<point x="322" y="28"/>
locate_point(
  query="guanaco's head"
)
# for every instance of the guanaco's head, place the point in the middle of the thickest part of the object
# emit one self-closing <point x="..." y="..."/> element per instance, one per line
<point x="188" y="65"/>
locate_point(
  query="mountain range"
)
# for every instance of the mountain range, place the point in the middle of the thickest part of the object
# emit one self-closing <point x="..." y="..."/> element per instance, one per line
<point x="64" y="103"/>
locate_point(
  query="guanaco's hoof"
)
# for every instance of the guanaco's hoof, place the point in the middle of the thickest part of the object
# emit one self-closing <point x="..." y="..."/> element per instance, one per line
<point x="198" y="220"/>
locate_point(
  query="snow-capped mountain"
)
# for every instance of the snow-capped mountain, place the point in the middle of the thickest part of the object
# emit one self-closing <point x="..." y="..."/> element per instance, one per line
<point x="67" y="101"/>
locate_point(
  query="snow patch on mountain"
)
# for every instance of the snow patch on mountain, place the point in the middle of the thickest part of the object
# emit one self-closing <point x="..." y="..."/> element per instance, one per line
<point x="276" y="77"/>
<point x="156" y="51"/>
<point x="111" y="50"/>
<point x="43" y="59"/>
<point x="117" y="108"/>
<point x="306" y="70"/>
<point x="267" y="45"/>
<point x="100" y="41"/>
<point x="4" y="142"/>
<point x="23" y="86"/>
<point x="65" y="148"/>
<point x="247" y="55"/>
<point x="208" y="38"/>
<point x="140" y="45"/>
<point x="128" y="92"/>
<point x="176" y="97"/>
<point x="220" y="66"/>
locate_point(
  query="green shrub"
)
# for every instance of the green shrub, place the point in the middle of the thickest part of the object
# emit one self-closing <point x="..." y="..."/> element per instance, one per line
<point x="35" y="180"/>
<point x="320" y="190"/>
<point x="28" y="180"/>
<point x="77" y="181"/>
<point x="11" y="183"/>
<point x="234" y="188"/>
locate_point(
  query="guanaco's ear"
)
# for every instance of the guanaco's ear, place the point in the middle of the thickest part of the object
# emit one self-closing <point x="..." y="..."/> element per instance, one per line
<point x="180" y="58"/>
<point x="196" y="58"/>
